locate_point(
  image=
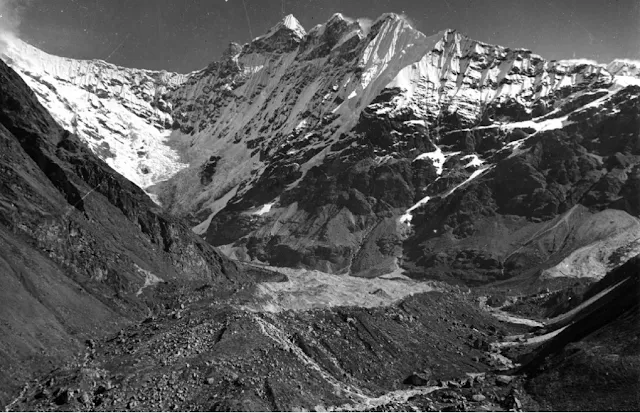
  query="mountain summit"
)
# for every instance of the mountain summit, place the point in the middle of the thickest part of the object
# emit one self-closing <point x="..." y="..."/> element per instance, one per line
<point x="290" y="23"/>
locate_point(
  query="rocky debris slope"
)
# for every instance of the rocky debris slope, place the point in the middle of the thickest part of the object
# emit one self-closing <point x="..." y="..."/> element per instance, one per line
<point x="204" y="354"/>
<point x="435" y="351"/>
<point x="353" y="149"/>
<point x="594" y="362"/>
<point x="79" y="244"/>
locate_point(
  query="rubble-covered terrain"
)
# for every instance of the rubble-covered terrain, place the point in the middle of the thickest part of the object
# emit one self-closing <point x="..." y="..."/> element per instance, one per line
<point x="432" y="351"/>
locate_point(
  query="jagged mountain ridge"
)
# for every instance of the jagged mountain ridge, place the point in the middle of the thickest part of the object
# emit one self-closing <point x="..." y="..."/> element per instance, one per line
<point x="143" y="93"/>
<point x="261" y="129"/>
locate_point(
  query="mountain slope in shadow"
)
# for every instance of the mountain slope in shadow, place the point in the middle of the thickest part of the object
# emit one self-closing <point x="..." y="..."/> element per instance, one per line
<point x="594" y="363"/>
<point x="80" y="246"/>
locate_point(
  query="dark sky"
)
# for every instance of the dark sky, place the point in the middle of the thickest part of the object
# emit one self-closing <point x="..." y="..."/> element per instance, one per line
<point x="184" y="35"/>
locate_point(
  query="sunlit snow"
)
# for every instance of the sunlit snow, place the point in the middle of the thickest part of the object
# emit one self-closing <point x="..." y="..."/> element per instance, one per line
<point x="415" y="122"/>
<point x="437" y="157"/>
<point x="121" y="127"/>
<point x="265" y="209"/>
<point x="474" y="160"/>
<point x="473" y="176"/>
<point x="407" y="217"/>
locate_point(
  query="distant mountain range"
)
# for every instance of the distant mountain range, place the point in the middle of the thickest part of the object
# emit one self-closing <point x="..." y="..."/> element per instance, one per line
<point x="368" y="150"/>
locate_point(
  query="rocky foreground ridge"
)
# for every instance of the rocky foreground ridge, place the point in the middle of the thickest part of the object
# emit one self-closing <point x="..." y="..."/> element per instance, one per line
<point x="359" y="150"/>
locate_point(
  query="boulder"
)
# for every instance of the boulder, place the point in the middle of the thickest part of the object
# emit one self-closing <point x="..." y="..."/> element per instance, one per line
<point x="63" y="396"/>
<point x="416" y="379"/>
<point x="503" y="380"/>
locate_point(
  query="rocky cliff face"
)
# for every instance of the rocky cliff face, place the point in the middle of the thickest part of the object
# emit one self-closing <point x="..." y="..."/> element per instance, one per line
<point x="358" y="149"/>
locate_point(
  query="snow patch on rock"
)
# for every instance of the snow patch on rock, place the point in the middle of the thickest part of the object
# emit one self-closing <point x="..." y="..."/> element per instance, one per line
<point x="473" y="161"/>
<point x="407" y="217"/>
<point x="437" y="157"/>
<point x="473" y="176"/>
<point x="265" y="209"/>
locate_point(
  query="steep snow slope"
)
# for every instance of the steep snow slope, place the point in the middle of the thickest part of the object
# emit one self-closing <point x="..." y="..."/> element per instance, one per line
<point x="119" y="112"/>
<point x="464" y="76"/>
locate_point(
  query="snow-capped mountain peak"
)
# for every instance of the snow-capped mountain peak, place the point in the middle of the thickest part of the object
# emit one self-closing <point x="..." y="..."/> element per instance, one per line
<point x="291" y="23"/>
<point x="284" y="36"/>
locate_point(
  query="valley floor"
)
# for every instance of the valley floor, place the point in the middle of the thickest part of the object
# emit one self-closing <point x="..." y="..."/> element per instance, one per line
<point x="338" y="344"/>
<point x="314" y="342"/>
